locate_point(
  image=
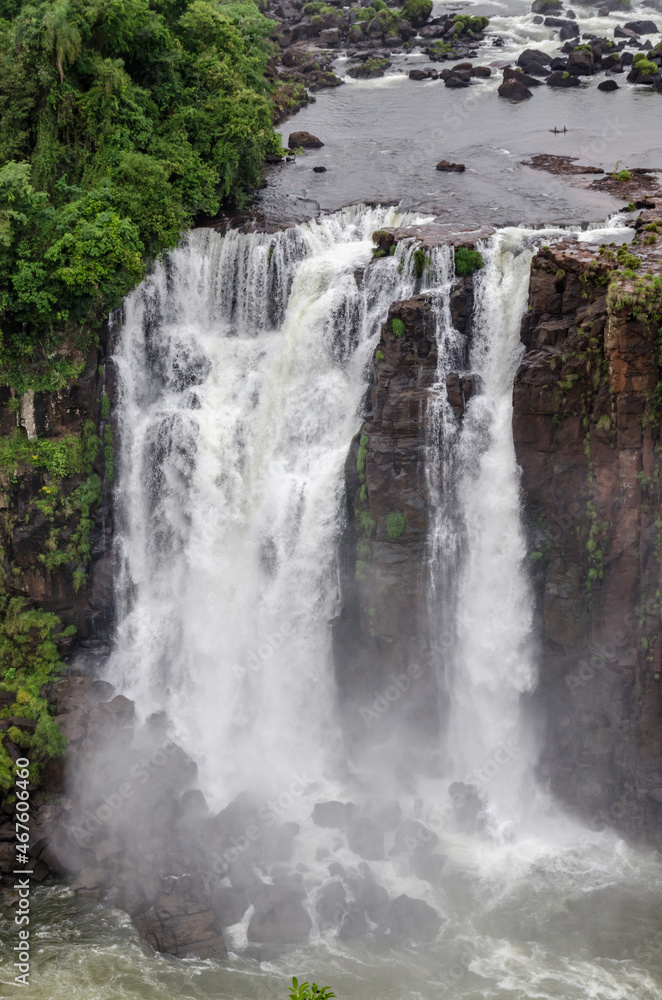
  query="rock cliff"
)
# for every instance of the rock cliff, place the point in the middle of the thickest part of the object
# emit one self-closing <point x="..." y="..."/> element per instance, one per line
<point x="586" y="420"/>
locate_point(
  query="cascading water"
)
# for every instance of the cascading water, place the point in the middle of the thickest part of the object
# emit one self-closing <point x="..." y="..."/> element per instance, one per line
<point x="242" y="366"/>
<point x="477" y="532"/>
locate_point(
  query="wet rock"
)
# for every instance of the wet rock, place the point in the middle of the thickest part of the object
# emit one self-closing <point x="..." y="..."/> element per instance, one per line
<point x="468" y="806"/>
<point x="413" y="836"/>
<point x="446" y="167"/>
<point x="620" y="32"/>
<point x="229" y="905"/>
<point x="319" y="170"/>
<point x="334" y="815"/>
<point x="419" y="74"/>
<point x="329" y="38"/>
<point x="482" y="72"/>
<point x="277" y="844"/>
<point x="608" y="86"/>
<point x="279" y="917"/>
<point x="365" y="837"/>
<point x="535" y="62"/>
<point x="563" y="79"/>
<point x="304" y="140"/>
<point x="428" y="867"/>
<point x="569" y="31"/>
<point x="331" y="903"/>
<point x="412" y="920"/>
<point x="544" y="6"/>
<point x="457" y="80"/>
<point x="518" y="74"/>
<point x="643" y="27"/>
<point x="580" y="63"/>
<point x="514" y="90"/>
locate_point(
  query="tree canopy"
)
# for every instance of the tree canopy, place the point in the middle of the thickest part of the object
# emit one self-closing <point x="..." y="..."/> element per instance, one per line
<point x="121" y="119"/>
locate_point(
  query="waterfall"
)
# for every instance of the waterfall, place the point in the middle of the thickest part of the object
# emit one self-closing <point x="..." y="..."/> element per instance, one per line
<point x="482" y="536"/>
<point x="242" y="366"/>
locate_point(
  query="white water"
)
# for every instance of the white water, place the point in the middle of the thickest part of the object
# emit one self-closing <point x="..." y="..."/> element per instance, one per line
<point x="235" y="423"/>
<point x="230" y="491"/>
<point x="493" y="664"/>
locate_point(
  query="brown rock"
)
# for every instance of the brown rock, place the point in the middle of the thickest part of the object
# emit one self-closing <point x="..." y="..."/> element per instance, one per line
<point x="304" y="140"/>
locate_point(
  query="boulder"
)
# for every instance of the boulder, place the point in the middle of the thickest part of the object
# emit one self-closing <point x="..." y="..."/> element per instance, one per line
<point x="580" y="63"/>
<point x="447" y="167"/>
<point x="412" y="920"/>
<point x="304" y="140"/>
<point x="643" y="27"/>
<point x="564" y="79"/>
<point x="517" y="74"/>
<point x="468" y="806"/>
<point x="545" y="6"/>
<point x="319" y="170"/>
<point x="514" y="90"/>
<point x="535" y="62"/>
<point x="418" y="74"/>
<point x="482" y="72"/>
<point x="279" y="917"/>
<point x="607" y="86"/>
<point x="229" y="905"/>
<point x="331" y="903"/>
<point x="620" y="32"/>
<point x="329" y="38"/>
<point x="568" y="31"/>
<point x="457" y="80"/>
<point x="333" y="815"/>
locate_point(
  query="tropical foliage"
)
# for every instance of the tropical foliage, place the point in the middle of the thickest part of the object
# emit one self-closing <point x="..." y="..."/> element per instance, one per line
<point x="121" y="120"/>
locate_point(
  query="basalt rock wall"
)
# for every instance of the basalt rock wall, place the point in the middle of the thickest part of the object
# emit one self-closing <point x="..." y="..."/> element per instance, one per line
<point x="586" y="424"/>
<point x="587" y="434"/>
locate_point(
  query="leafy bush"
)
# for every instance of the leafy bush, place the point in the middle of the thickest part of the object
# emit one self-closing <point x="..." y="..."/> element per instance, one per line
<point x="416" y="10"/>
<point x="398" y="327"/>
<point x="467" y="261"/>
<point x="120" y="122"/>
<point x="647" y="67"/>
<point x="28" y="660"/>
<point x="464" y="24"/>
<point x="305" y="991"/>
<point x="395" y="525"/>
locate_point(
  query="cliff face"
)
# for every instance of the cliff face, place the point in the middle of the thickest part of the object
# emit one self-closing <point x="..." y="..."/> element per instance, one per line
<point x="587" y="433"/>
<point x="586" y="425"/>
<point x="386" y="663"/>
<point x="55" y="512"/>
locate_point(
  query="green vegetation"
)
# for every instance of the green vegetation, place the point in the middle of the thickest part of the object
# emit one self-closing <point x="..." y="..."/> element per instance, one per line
<point x="367" y="523"/>
<point x="121" y="121"/>
<point x="416" y="10"/>
<point x="28" y="660"/>
<point x="438" y="49"/>
<point x="469" y="26"/>
<point x="623" y="175"/>
<point x="304" y="991"/>
<point x="379" y="355"/>
<point x="361" y="456"/>
<point x="648" y="68"/>
<point x="467" y="261"/>
<point x="395" y="525"/>
<point x="398" y="327"/>
<point x="420" y="259"/>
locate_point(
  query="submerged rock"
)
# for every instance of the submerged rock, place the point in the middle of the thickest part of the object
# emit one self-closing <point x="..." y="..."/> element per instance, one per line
<point x="514" y="90"/>
<point x="304" y="140"/>
<point x="447" y="167"/>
